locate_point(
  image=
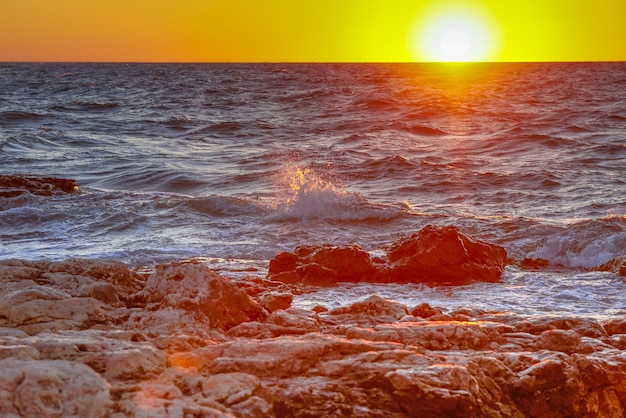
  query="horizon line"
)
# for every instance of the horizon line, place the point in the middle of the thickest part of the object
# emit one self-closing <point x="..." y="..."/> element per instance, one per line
<point x="312" y="62"/>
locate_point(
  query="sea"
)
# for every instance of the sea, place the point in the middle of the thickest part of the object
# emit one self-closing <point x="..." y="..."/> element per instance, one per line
<point x="231" y="164"/>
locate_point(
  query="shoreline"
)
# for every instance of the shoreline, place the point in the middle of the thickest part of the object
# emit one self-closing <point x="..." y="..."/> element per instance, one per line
<point x="186" y="341"/>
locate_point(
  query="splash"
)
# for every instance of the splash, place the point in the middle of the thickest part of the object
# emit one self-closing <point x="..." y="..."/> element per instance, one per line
<point x="585" y="244"/>
<point x="309" y="195"/>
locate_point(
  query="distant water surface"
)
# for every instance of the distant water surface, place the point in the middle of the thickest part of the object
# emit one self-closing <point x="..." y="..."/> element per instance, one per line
<point x="233" y="163"/>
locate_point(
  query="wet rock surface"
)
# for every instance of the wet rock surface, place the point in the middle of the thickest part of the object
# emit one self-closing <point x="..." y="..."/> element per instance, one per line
<point x="616" y="265"/>
<point x="92" y="338"/>
<point x="434" y="255"/>
<point x="11" y="186"/>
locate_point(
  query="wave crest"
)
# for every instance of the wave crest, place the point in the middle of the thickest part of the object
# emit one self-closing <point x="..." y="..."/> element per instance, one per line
<point x="585" y="244"/>
<point x="311" y="196"/>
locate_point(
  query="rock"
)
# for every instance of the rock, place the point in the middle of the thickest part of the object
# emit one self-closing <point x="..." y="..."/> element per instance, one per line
<point x="105" y="280"/>
<point x="290" y="322"/>
<point x="424" y="310"/>
<point x="448" y="390"/>
<point x="273" y="301"/>
<point x="196" y="288"/>
<point x="445" y="255"/>
<point x="187" y="342"/>
<point x="560" y="340"/>
<point x="52" y="388"/>
<point x="323" y="265"/>
<point x="295" y="319"/>
<point x="98" y="272"/>
<point x="615" y="326"/>
<point x="583" y="326"/>
<point x="18" y="270"/>
<point x="252" y="407"/>
<point x="434" y="255"/>
<point x="536" y="388"/>
<point x="230" y="388"/>
<point x="169" y="328"/>
<point x="36" y="309"/>
<point x="285" y="356"/>
<point x="616" y="265"/>
<point x="374" y="307"/>
<point x="153" y="399"/>
<point x="135" y="363"/>
<point x="19" y="352"/>
<point x="11" y="186"/>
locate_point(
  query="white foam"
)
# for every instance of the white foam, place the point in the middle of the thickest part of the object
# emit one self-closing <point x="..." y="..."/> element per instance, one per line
<point x="309" y="196"/>
<point x="581" y="247"/>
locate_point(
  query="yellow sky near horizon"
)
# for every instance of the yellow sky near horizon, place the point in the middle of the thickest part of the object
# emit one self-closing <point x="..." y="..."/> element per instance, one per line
<point x="318" y="31"/>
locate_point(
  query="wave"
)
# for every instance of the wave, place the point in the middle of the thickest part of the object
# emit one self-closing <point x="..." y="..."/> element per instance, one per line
<point x="16" y="115"/>
<point x="179" y="123"/>
<point x="138" y="176"/>
<point x="311" y="196"/>
<point x="395" y="162"/>
<point x="227" y="206"/>
<point x="84" y="106"/>
<point x="616" y="117"/>
<point x="424" y="130"/>
<point x="27" y="146"/>
<point x="378" y="104"/>
<point x="233" y="128"/>
<point x="583" y="244"/>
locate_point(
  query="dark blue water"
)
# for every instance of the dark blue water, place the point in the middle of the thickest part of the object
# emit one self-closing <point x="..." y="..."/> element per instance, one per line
<point x="232" y="163"/>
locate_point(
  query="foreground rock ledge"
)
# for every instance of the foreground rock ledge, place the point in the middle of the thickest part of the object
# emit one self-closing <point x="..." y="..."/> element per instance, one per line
<point x="85" y="338"/>
<point x="434" y="255"/>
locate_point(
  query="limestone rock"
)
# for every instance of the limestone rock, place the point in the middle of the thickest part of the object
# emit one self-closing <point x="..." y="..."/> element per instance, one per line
<point x="323" y="265"/>
<point x="195" y="287"/>
<point x="11" y="186"/>
<point x="424" y="310"/>
<point x="37" y="309"/>
<point x="616" y="265"/>
<point x="435" y="255"/>
<point x="187" y="342"/>
<point x="105" y="280"/>
<point x="447" y="390"/>
<point x="273" y="301"/>
<point x="52" y="388"/>
<point x="99" y="272"/>
<point x="445" y="255"/>
<point x="230" y="388"/>
<point x="374" y="307"/>
<point x="135" y="363"/>
<point x="615" y="326"/>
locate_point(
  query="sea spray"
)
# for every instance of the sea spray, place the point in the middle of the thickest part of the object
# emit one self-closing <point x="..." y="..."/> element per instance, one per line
<point x="309" y="195"/>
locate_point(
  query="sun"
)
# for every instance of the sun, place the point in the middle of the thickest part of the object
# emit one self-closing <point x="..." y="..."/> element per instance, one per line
<point x="456" y="44"/>
<point x="454" y="35"/>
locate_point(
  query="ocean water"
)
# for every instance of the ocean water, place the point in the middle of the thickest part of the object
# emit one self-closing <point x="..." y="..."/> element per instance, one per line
<point x="232" y="163"/>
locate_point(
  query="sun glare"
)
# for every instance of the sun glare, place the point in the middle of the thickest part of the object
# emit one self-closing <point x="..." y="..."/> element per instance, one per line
<point x="454" y="35"/>
<point x="456" y="43"/>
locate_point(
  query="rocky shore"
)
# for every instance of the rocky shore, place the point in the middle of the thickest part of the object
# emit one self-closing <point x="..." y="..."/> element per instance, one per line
<point x="91" y="338"/>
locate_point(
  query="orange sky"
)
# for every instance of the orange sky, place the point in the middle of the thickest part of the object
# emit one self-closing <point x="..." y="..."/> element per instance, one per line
<point x="312" y="30"/>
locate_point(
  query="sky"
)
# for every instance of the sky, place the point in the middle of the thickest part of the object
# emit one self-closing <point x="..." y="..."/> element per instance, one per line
<point x="312" y="30"/>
